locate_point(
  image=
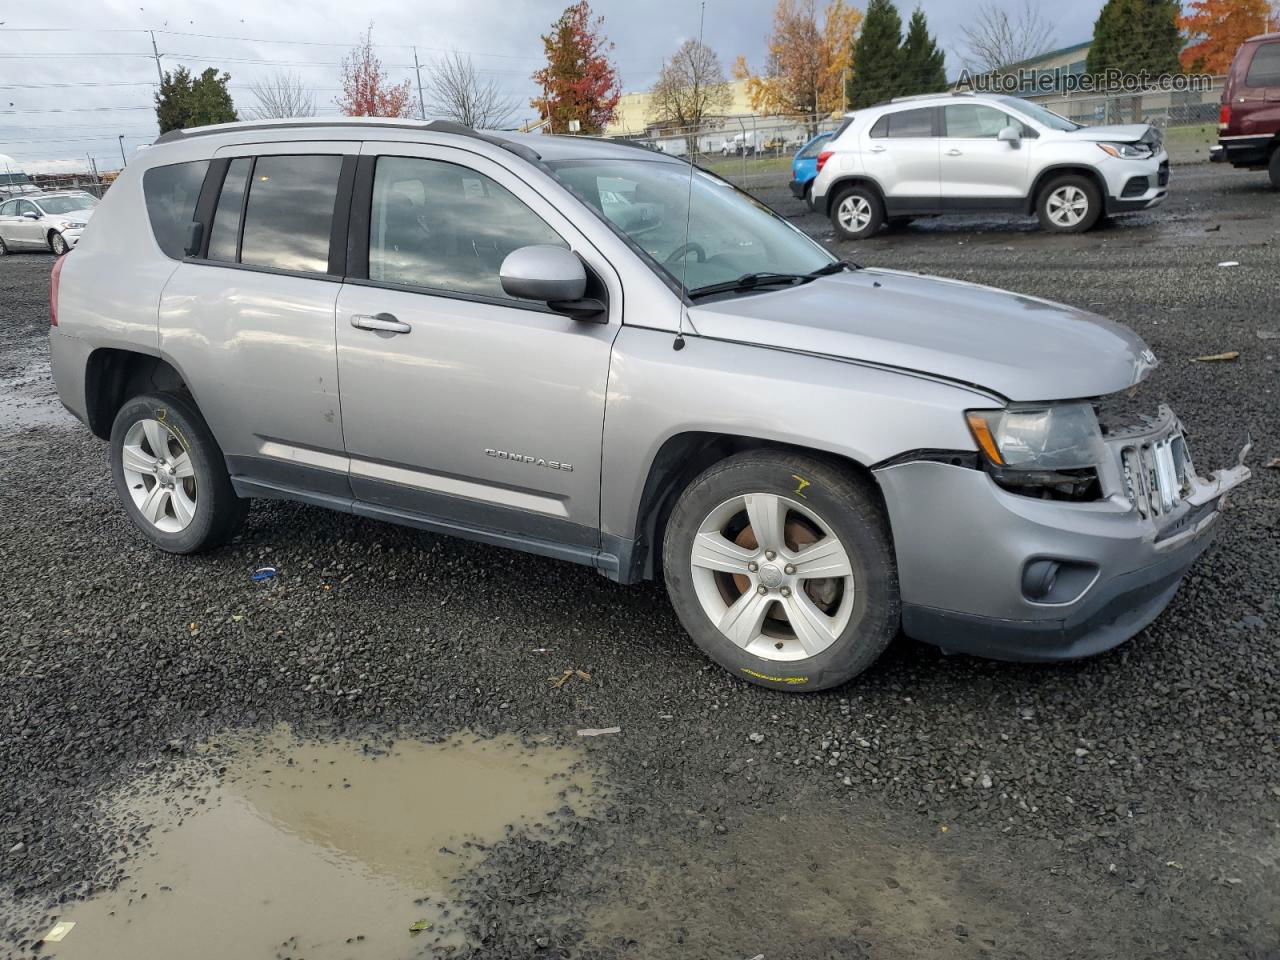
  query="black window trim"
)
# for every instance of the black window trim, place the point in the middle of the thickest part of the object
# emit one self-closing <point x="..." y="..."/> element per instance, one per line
<point x="361" y="222"/>
<point x="935" y="123"/>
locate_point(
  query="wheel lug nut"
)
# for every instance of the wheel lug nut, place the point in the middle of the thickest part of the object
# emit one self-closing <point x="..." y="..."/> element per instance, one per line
<point x="789" y="569"/>
<point x="753" y="566"/>
<point x="786" y="591"/>
<point x="769" y="554"/>
<point x="762" y="589"/>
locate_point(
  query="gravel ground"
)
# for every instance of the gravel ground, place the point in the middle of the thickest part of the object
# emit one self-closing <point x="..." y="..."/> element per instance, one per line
<point x="1124" y="806"/>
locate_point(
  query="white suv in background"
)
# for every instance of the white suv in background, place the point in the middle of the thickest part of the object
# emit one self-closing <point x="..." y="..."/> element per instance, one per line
<point x="971" y="153"/>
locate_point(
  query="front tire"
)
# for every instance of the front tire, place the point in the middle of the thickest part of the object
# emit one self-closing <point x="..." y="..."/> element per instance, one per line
<point x="857" y="212"/>
<point x="57" y="243"/>
<point x="781" y="568"/>
<point x="171" y="476"/>
<point x="4" y="251"/>
<point x="1069" y="204"/>
<point x="1273" y="168"/>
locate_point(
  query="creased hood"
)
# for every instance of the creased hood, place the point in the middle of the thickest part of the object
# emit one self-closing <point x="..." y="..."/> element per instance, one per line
<point x="1117" y="132"/>
<point x="1022" y="348"/>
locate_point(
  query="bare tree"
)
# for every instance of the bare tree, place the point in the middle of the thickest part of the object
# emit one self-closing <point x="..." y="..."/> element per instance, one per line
<point x="995" y="38"/>
<point x="281" y="95"/>
<point x="455" y="91"/>
<point x="691" y="87"/>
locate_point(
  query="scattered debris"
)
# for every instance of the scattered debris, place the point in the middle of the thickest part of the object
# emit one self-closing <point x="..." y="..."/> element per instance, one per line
<point x="986" y="781"/>
<point x="756" y="737"/>
<point x="1269" y="334"/>
<point x="1273" y="463"/>
<point x="1174" y="864"/>
<point x="598" y="732"/>
<point x="1212" y="357"/>
<point x="1214" y="229"/>
<point x="420" y="926"/>
<point x="569" y="674"/>
<point x="541" y="650"/>
<point x="59" y="931"/>
<point x="1229" y="263"/>
<point x="263" y="573"/>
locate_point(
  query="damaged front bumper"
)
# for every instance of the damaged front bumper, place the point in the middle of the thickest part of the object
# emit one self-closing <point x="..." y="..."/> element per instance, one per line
<point x="974" y="559"/>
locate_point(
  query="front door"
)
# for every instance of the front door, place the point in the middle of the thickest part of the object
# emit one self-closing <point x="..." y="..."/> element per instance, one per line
<point x="976" y="166"/>
<point x="28" y="228"/>
<point x="459" y="402"/>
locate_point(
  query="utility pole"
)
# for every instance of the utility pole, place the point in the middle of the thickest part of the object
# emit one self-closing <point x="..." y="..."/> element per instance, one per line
<point x="123" y="159"/>
<point x="156" y="51"/>
<point x="422" y="110"/>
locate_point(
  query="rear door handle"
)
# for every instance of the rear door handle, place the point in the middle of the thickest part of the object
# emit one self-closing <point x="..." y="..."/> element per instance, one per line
<point x="384" y="322"/>
<point x="953" y="152"/>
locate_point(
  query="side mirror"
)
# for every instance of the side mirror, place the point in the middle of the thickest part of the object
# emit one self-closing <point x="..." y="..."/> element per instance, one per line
<point x="1010" y="134"/>
<point x="543" y="272"/>
<point x="31" y="216"/>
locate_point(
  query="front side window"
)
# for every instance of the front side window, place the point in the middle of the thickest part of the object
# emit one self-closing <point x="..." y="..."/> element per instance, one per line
<point x="26" y="206"/>
<point x="447" y="227"/>
<point x="729" y="233"/>
<point x="171" y="193"/>
<point x="1046" y="118"/>
<point x="973" y="121"/>
<point x="1264" y="70"/>
<point x="290" y="212"/>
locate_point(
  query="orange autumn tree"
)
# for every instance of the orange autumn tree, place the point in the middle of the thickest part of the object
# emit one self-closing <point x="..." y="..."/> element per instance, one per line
<point x="1216" y="28"/>
<point x="804" y="67"/>
<point x="366" y="91"/>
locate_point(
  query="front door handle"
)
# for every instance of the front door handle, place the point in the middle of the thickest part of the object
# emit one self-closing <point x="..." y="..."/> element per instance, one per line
<point x="384" y="322"/>
<point x="877" y="149"/>
<point x="953" y="152"/>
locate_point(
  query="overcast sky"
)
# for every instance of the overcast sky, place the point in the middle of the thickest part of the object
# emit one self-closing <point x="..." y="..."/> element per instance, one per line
<point x="109" y="92"/>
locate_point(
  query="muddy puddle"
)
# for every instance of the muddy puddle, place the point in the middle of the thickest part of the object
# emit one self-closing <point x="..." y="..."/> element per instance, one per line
<point x="316" y="850"/>
<point x="28" y="397"/>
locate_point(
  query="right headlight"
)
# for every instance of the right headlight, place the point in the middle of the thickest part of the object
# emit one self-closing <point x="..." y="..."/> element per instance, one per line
<point x="1041" y="449"/>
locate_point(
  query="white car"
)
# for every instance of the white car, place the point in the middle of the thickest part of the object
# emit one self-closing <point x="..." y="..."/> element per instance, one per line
<point x="970" y="153"/>
<point x="48" y="221"/>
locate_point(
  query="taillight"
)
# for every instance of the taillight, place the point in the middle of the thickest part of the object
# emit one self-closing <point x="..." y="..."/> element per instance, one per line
<point x="53" y="290"/>
<point x="822" y="159"/>
<point x="1224" y="117"/>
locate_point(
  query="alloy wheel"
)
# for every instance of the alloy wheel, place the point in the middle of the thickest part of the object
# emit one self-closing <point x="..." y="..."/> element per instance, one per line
<point x="1067" y="205"/>
<point x="59" y="243"/>
<point x="854" y="213"/>
<point x="772" y="576"/>
<point x="159" y="475"/>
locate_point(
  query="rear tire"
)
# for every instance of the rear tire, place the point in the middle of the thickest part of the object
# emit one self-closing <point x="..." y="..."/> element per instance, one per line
<point x="1071" y="203"/>
<point x="171" y="476"/>
<point x="807" y="604"/>
<point x="857" y="212"/>
<point x="1273" y="168"/>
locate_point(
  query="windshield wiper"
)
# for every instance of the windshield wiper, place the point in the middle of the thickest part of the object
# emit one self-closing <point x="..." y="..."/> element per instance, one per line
<point x="751" y="281"/>
<point x="834" y="266"/>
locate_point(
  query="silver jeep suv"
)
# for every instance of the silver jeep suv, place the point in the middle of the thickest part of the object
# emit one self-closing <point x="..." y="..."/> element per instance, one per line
<point x="592" y="352"/>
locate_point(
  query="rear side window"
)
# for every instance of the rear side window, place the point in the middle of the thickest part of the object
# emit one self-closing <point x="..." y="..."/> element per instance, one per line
<point x="905" y="124"/>
<point x="290" y="212"/>
<point x="171" y="193"/>
<point x="1264" y="71"/>
<point x="225" y="236"/>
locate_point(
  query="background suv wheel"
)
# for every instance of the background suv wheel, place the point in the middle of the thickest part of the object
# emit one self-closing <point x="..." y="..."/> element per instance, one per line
<point x="171" y="475"/>
<point x="1069" y="204"/>
<point x="781" y="569"/>
<point x="857" y="212"/>
<point x="1273" y="168"/>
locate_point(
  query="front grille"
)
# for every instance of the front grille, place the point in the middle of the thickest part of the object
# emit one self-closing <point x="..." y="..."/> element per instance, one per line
<point x="1156" y="474"/>
<point x="1136" y="187"/>
<point x="1162" y="178"/>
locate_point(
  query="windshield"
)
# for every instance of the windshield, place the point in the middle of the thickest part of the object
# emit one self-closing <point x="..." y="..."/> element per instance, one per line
<point x="63" y="205"/>
<point x="729" y="233"/>
<point x="1046" y="118"/>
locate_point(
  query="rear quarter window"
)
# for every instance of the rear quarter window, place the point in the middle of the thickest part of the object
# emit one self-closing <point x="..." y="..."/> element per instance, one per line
<point x="1264" y="69"/>
<point x="171" y="193"/>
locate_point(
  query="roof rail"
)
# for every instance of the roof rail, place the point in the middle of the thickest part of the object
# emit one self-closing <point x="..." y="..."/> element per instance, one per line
<point x="433" y="126"/>
<point x="930" y="96"/>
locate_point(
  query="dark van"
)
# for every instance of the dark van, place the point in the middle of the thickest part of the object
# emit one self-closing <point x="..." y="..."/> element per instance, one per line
<point x="1249" y="124"/>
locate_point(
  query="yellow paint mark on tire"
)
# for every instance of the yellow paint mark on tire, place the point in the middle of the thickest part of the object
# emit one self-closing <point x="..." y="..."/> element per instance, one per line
<point x="793" y="681"/>
<point x="801" y="483"/>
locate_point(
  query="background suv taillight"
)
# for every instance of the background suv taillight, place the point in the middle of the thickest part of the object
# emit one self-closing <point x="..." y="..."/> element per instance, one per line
<point x="53" y="290"/>
<point x="1224" y="117"/>
<point x="822" y="159"/>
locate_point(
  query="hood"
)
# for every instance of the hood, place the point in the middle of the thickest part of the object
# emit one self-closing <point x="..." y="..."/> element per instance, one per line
<point x="1022" y="348"/>
<point x="79" y="216"/>
<point x="1116" y="132"/>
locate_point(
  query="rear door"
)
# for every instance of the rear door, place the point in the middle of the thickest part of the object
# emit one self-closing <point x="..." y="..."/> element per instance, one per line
<point x="478" y="408"/>
<point x="901" y="152"/>
<point x="9" y="223"/>
<point x="976" y="167"/>
<point x="250" y="321"/>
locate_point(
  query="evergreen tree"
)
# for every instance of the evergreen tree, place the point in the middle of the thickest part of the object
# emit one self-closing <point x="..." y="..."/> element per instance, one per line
<point x="1136" y="36"/>
<point x="877" y="56"/>
<point x="923" y="67"/>
<point x="184" y="101"/>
